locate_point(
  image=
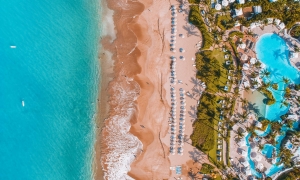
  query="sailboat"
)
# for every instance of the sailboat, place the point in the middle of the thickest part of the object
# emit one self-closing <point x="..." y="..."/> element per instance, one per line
<point x="13" y="47"/>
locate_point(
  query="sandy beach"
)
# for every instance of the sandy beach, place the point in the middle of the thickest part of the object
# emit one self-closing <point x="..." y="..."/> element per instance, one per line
<point x="135" y="94"/>
<point x="135" y="139"/>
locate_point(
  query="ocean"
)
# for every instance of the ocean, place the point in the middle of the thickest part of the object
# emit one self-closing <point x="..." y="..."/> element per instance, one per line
<point x="54" y="71"/>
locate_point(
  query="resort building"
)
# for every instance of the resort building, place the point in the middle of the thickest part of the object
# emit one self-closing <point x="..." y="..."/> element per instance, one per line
<point x="238" y="12"/>
<point x="281" y="26"/>
<point x="257" y="9"/>
<point x="241" y="1"/>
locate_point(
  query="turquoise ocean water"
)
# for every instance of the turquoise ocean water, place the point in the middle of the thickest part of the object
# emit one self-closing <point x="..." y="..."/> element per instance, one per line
<point x="54" y="70"/>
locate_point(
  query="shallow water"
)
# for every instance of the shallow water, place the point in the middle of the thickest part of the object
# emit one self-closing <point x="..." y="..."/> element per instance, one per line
<point x="54" y="70"/>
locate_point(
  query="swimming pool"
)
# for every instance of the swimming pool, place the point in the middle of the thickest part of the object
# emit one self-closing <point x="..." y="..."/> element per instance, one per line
<point x="268" y="150"/>
<point x="273" y="52"/>
<point x="251" y="163"/>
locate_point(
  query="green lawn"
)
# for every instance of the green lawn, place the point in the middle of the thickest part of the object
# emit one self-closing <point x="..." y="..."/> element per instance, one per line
<point x="211" y="70"/>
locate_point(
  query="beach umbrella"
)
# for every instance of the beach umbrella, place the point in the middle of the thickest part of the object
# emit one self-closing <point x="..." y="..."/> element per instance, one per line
<point x="174" y="14"/>
<point x="258" y="157"/>
<point x="173" y="18"/>
<point x="181" y="35"/>
<point x="172" y="45"/>
<point x="244" y="153"/>
<point x="218" y="7"/>
<point x="224" y="3"/>
<point x="181" y="50"/>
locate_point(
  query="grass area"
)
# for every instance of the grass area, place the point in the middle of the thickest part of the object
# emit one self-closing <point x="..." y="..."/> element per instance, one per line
<point x="225" y="22"/>
<point x="202" y="136"/>
<point x="211" y="70"/>
<point x="196" y="19"/>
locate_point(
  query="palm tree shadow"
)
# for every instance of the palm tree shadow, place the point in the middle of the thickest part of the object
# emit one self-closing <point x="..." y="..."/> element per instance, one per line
<point x="254" y="108"/>
<point x="190" y="30"/>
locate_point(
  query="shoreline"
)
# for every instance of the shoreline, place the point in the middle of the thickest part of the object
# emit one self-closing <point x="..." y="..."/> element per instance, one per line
<point x="106" y="75"/>
<point x="135" y="95"/>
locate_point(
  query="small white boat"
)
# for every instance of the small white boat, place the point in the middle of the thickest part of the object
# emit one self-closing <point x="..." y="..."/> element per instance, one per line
<point x="23" y="103"/>
<point x="13" y="47"/>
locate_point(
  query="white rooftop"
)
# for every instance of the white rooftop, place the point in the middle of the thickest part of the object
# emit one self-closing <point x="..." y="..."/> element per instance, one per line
<point x="238" y="12"/>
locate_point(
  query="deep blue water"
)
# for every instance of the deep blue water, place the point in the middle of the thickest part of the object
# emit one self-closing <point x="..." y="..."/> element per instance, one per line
<point x="273" y="52"/>
<point x="54" y="70"/>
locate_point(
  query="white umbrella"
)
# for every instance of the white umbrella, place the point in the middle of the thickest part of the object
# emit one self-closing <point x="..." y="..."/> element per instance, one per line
<point x="244" y="153"/>
<point x="258" y="157"/>
<point x="225" y="3"/>
<point x="218" y="7"/>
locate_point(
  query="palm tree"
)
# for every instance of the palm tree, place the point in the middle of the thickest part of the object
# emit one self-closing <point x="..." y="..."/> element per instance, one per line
<point x="285" y="80"/>
<point x="275" y="86"/>
<point x="265" y="73"/>
<point x="286" y="157"/>
<point x="244" y="101"/>
<point x="257" y="64"/>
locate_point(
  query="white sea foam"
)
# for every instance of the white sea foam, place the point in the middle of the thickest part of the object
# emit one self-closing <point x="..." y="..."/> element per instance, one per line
<point x="122" y="147"/>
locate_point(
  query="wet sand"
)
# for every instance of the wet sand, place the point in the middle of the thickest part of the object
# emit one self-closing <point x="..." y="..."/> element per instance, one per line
<point x="136" y="96"/>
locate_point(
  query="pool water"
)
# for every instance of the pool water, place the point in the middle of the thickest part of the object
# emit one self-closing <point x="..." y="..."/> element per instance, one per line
<point x="251" y="163"/>
<point x="273" y="52"/>
<point x="268" y="150"/>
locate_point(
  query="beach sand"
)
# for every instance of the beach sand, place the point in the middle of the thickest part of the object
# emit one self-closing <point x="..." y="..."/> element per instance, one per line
<point x="135" y="94"/>
<point x="135" y="139"/>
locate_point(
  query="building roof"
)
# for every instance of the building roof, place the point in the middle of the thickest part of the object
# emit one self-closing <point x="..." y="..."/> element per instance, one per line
<point x="257" y="9"/>
<point x="238" y="12"/>
<point x="277" y="21"/>
<point x="281" y="26"/>
<point x="241" y="1"/>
